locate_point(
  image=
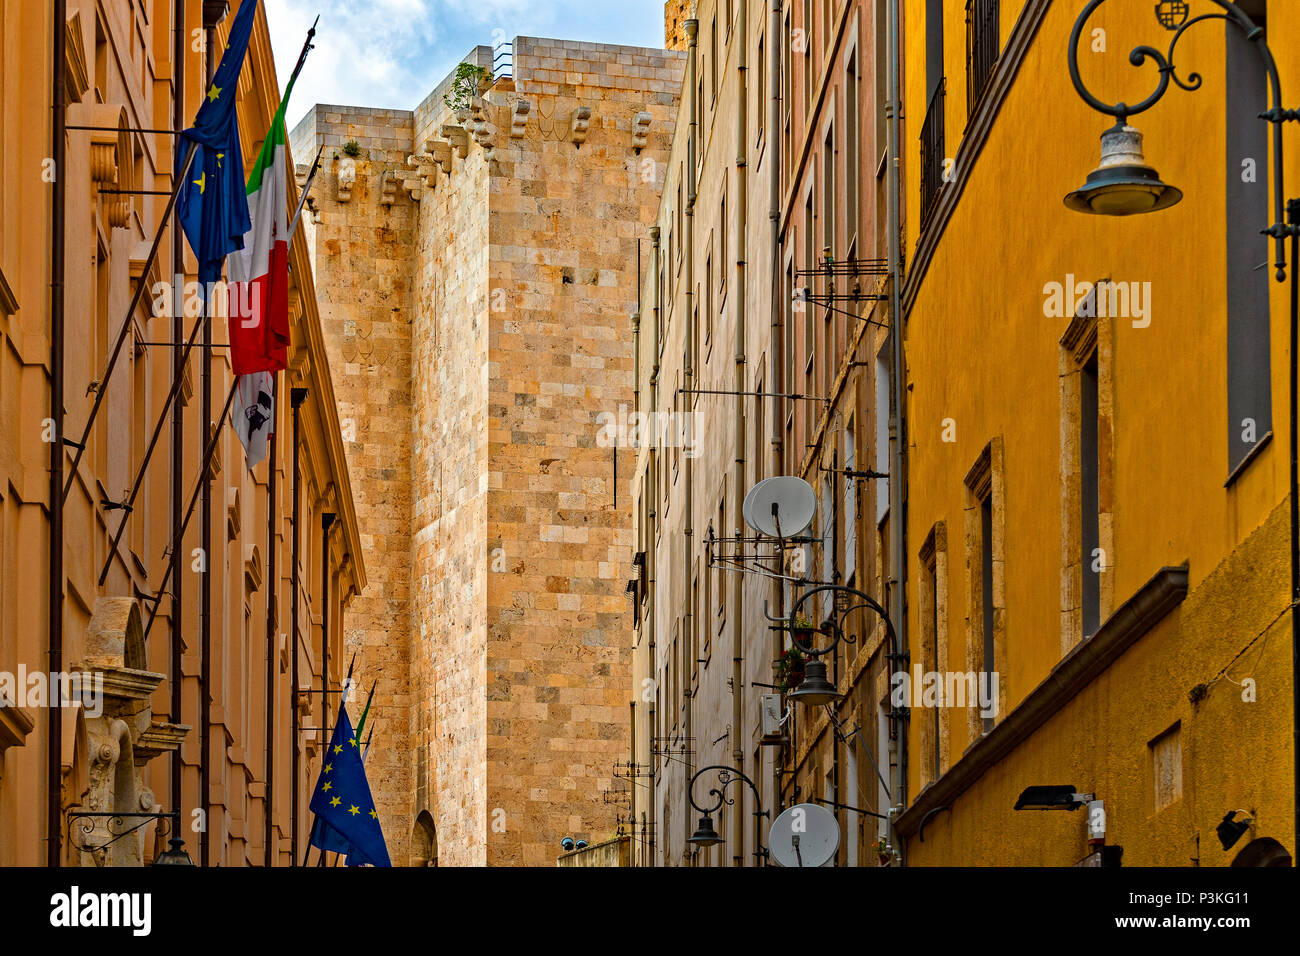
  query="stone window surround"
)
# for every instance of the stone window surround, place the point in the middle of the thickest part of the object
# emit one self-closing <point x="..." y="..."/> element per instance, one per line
<point x="986" y="479"/>
<point x="933" y="601"/>
<point x="1086" y="337"/>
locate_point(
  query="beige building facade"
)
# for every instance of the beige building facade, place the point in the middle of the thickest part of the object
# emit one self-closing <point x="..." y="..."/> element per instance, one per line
<point x="480" y="263"/>
<point x="125" y="750"/>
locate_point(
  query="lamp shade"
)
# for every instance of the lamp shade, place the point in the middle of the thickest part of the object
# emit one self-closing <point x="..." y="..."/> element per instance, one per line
<point x="1123" y="185"/>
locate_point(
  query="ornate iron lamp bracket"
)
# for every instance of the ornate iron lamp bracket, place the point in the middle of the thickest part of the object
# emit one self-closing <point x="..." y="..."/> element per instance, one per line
<point x="1168" y="72"/>
<point x="846" y="601"/>
<point x="726" y="777"/>
<point x="116" y="825"/>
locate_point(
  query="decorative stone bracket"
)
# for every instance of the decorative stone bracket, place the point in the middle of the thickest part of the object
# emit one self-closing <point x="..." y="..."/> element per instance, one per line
<point x="641" y="129"/>
<point x="345" y="178"/>
<point x="579" y="124"/>
<point x="519" y="118"/>
<point x="440" y="153"/>
<point x="457" y="137"/>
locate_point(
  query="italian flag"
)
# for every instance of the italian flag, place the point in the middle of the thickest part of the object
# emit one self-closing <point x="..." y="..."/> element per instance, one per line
<point x="259" y="273"/>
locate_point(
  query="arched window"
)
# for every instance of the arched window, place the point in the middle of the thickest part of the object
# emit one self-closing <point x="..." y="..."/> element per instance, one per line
<point x="424" y="841"/>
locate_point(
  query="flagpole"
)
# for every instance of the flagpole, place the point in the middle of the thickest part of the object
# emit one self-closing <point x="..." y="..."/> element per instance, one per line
<point x="306" y="189"/>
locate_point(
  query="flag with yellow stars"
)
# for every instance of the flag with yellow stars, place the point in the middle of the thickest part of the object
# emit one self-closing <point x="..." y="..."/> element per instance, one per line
<point x="211" y="206"/>
<point x="342" y="800"/>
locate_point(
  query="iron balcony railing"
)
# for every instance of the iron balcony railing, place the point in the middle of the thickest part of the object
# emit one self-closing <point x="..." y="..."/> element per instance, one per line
<point x="981" y="48"/>
<point x="932" y="151"/>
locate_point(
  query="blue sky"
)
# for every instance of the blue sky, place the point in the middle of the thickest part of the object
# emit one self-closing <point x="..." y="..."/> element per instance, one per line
<point x="392" y="53"/>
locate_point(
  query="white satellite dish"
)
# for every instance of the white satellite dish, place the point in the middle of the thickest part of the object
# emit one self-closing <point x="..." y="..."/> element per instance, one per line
<point x="807" y="834"/>
<point x="794" y="500"/>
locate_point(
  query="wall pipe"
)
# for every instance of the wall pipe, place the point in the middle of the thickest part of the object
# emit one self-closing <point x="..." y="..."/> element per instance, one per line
<point x="297" y="397"/>
<point x="688" y="382"/>
<point x="651" y="564"/>
<point x="272" y="615"/>
<point x="738" y="580"/>
<point x="777" y="365"/>
<point x="177" y="678"/>
<point x="54" y="609"/>
<point x="897" y="427"/>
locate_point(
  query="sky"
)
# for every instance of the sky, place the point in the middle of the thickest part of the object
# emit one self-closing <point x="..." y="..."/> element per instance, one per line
<point x="392" y="53"/>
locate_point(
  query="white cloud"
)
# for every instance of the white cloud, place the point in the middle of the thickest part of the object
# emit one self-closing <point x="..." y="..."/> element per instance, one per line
<point x="392" y="53"/>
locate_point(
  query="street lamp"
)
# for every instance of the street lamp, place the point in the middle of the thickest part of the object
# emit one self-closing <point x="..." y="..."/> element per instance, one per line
<point x="1115" y="188"/>
<point x="705" y="835"/>
<point x="815" y="689"/>
<point x="1123" y="184"/>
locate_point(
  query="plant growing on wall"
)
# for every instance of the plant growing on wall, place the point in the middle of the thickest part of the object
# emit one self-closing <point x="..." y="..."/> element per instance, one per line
<point x="352" y="149"/>
<point x="790" y="669"/>
<point x="464" y="86"/>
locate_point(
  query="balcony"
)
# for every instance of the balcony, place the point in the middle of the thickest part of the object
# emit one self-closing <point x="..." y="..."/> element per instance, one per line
<point x="932" y="151"/>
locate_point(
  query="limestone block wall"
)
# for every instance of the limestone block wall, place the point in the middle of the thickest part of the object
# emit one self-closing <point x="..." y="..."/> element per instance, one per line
<point x="362" y="245"/>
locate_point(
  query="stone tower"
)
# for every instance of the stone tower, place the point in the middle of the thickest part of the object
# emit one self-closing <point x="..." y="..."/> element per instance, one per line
<point x="477" y="269"/>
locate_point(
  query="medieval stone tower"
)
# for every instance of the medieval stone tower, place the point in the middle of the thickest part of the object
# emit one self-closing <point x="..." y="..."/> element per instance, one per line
<point x="477" y="270"/>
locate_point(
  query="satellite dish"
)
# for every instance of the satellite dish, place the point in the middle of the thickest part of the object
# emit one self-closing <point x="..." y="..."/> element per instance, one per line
<point x="794" y="499"/>
<point x="807" y="834"/>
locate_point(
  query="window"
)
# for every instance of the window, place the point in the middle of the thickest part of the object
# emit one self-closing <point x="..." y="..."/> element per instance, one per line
<point x="1167" y="767"/>
<point x="852" y="158"/>
<point x="932" y="128"/>
<point x="699" y="622"/>
<point x="708" y="307"/>
<point x="981" y="48"/>
<point x="1250" y="415"/>
<point x="759" y="424"/>
<point x="882" y="81"/>
<point x="933" y="587"/>
<point x="1088" y="469"/>
<point x="720" y="577"/>
<point x="850" y="506"/>
<point x="760" y="88"/>
<point x="986" y="645"/>
<point x="714" y="56"/>
<point x="723" y="226"/>
<point x="807" y="59"/>
<point x="809" y="320"/>
<point x="1090" y="531"/>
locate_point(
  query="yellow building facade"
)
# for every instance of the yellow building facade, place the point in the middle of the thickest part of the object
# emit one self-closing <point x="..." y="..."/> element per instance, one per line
<point x="1090" y="513"/>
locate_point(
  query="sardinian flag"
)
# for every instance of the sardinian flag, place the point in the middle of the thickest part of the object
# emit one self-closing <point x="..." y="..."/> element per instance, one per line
<point x="259" y="272"/>
<point x="252" y="413"/>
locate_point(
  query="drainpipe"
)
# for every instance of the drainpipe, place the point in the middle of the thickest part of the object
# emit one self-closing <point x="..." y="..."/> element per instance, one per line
<point x="688" y="383"/>
<point x="179" y="51"/>
<point x="631" y="819"/>
<point x="272" y="612"/>
<point x="897" y="429"/>
<point x="54" y="610"/>
<point x="652" y="619"/>
<point x="326" y="521"/>
<point x="738" y="293"/>
<point x="777" y="373"/>
<point x="297" y="397"/>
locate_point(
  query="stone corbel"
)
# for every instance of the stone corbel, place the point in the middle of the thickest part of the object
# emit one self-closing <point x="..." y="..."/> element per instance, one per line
<point x="641" y="129"/>
<point x="457" y="137"/>
<point x="345" y="178"/>
<point x="519" y="118"/>
<point x="440" y="152"/>
<point x="580" y="124"/>
<point x="425" y="172"/>
<point x="388" y="187"/>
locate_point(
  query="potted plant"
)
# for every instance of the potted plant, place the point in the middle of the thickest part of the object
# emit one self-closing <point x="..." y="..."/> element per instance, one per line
<point x="790" y="669"/>
<point x="802" y="630"/>
<point x="883" y="852"/>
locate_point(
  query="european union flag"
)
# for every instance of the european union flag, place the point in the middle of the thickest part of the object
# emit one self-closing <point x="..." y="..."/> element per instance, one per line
<point x="212" y="206"/>
<point x="342" y="801"/>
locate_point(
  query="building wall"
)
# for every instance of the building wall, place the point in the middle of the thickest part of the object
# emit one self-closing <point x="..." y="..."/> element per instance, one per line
<point x="691" y="637"/>
<point x="365" y="277"/>
<point x="1166" y="490"/>
<point x="123" y="80"/>
<point x="524" y="264"/>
